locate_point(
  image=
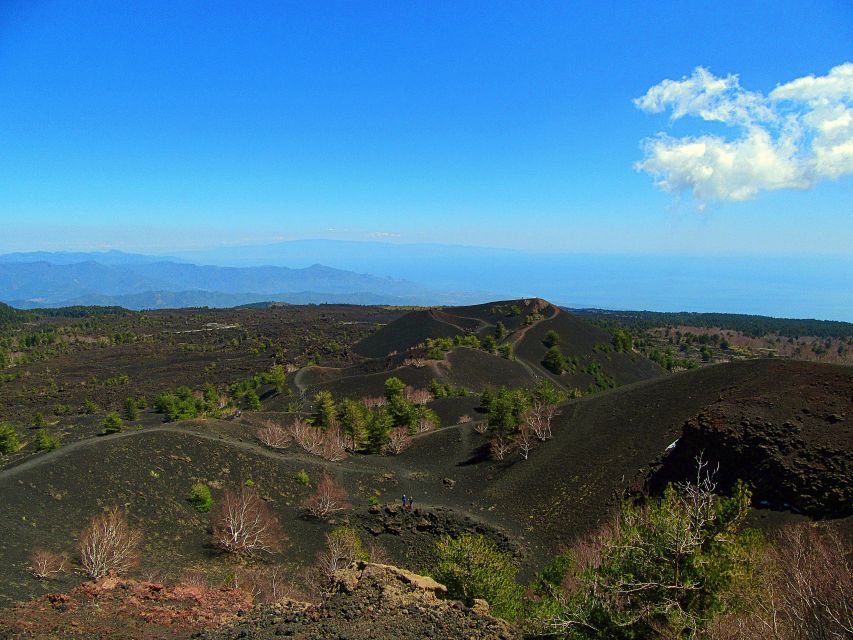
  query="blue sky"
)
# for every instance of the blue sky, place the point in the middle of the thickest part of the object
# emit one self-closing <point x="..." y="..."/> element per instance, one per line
<point x="182" y="125"/>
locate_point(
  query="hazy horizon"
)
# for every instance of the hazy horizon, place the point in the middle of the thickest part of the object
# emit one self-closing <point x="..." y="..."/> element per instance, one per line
<point x="706" y="152"/>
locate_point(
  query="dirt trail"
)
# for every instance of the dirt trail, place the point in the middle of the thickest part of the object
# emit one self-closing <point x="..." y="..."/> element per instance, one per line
<point x="519" y="335"/>
<point x="253" y="447"/>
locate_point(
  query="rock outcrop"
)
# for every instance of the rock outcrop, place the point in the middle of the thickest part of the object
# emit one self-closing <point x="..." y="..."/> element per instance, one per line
<point x="371" y="601"/>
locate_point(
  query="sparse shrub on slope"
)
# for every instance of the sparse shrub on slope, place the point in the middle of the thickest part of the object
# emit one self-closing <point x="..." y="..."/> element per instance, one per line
<point x="554" y="360"/>
<point x="327" y="500"/>
<point x="112" y="423"/>
<point x="9" y="441"/>
<point x="44" y="441"/>
<point x="46" y="565"/>
<point x="109" y="545"/>
<point x="244" y="524"/>
<point x="200" y="497"/>
<point x="471" y="566"/>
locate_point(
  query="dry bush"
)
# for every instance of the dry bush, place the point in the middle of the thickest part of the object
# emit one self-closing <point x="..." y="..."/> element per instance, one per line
<point x="195" y="577"/>
<point x="109" y="545"/>
<point x="425" y="424"/>
<point x="244" y="524"/>
<point x="273" y="435"/>
<point x="538" y="420"/>
<point x="398" y="441"/>
<point x="500" y="447"/>
<point x="417" y="396"/>
<point x="265" y="584"/>
<point x="464" y="419"/>
<point x="815" y="581"/>
<point x="306" y="436"/>
<point x="524" y="441"/>
<point x="481" y="427"/>
<point x="801" y="591"/>
<point x="377" y="554"/>
<point x="45" y="565"/>
<point x="371" y="402"/>
<point x="415" y="362"/>
<point x="327" y="500"/>
<point x="333" y="445"/>
<point x="340" y="553"/>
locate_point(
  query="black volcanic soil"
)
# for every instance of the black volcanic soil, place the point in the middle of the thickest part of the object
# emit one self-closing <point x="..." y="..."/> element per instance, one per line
<point x="789" y="437"/>
<point x="604" y="447"/>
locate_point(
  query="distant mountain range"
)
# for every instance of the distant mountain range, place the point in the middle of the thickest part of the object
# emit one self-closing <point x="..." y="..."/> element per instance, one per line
<point x="795" y="286"/>
<point x="134" y="281"/>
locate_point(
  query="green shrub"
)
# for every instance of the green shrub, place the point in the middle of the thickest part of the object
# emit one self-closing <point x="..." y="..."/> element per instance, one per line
<point x="9" y="441"/>
<point x="665" y="567"/>
<point x="112" y="423"/>
<point x="44" y="441"/>
<point x="131" y="409"/>
<point x="471" y="566"/>
<point x="249" y="483"/>
<point x="552" y="339"/>
<point x="555" y="361"/>
<point x="90" y="407"/>
<point x="373" y="500"/>
<point x="347" y="538"/>
<point x="302" y="478"/>
<point x="201" y="498"/>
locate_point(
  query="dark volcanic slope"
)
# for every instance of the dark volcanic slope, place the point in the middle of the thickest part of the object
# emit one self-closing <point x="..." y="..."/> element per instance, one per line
<point x="579" y="338"/>
<point x="405" y="332"/>
<point x="604" y="445"/>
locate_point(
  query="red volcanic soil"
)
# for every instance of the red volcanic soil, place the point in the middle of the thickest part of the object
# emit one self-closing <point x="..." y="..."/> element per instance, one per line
<point x="119" y="608"/>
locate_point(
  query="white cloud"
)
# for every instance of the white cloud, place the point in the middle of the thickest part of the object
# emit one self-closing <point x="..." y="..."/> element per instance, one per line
<point x="799" y="134"/>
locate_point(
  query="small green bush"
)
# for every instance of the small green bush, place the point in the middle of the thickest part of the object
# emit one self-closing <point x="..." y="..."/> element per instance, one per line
<point x="112" y="423"/>
<point x="302" y="478"/>
<point x="373" y="501"/>
<point x="90" y="407"/>
<point x="9" y="441"/>
<point x="131" y="409"/>
<point x="201" y="498"/>
<point x="44" y="441"/>
<point x="249" y="483"/>
<point x="471" y="566"/>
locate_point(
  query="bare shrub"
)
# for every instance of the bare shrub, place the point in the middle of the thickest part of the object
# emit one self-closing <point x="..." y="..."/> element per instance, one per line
<point x="414" y="362"/>
<point x="425" y="424"/>
<point x="464" y="419"/>
<point x="273" y="435"/>
<point x="327" y="500"/>
<point x="500" y="447"/>
<point x="417" y="396"/>
<point x="195" y="577"/>
<point x="481" y="427"/>
<point x="264" y="584"/>
<point x="109" y="545"/>
<point x="306" y="436"/>
<point x="376" y="553"/>
<point x="524" y="441"/>
<point x="398" y="441"/>
<point x="243" y="524"/>
<point x="333" y="445"/>
<point x="372" y="402"/>
<point x="343" y="547"/>
<point x="538" y="420"/>
<point x="45" y="565"/>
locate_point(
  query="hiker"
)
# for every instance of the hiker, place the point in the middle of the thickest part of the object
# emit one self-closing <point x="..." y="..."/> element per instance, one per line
<point x="404" y="501"/>
<point x="411" y="500"/>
